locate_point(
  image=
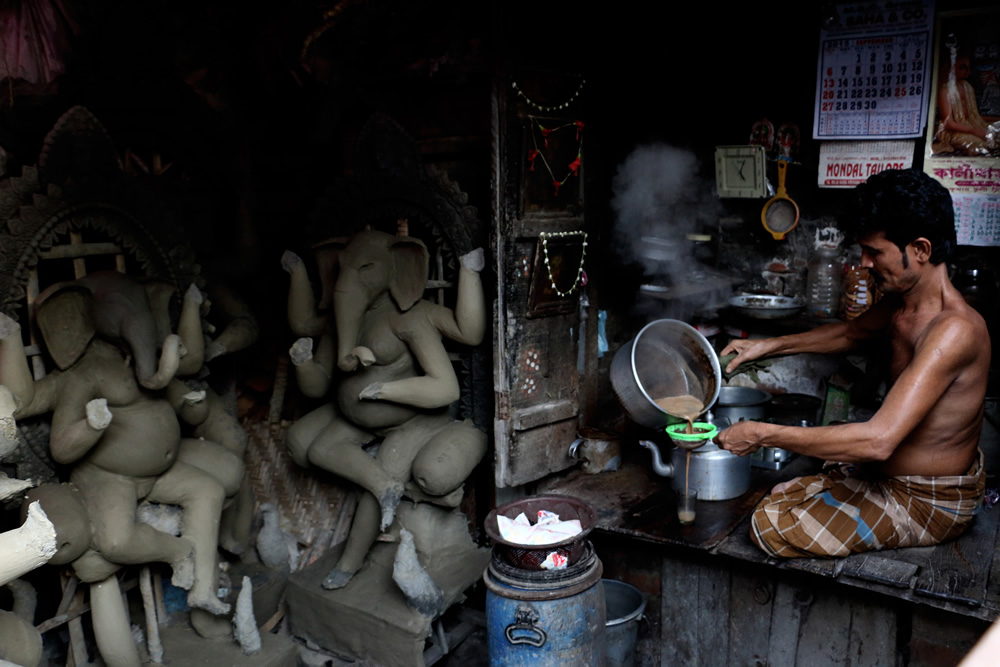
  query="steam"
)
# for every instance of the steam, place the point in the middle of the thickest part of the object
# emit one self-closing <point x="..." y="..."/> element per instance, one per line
<point x="658" y="199"/>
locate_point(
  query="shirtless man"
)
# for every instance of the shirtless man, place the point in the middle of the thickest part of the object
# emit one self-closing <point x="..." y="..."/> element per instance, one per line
<point x="912" y="475"/>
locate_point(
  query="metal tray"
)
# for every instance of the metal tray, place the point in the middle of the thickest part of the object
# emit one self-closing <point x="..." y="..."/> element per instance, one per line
<point x="766" y="306"/>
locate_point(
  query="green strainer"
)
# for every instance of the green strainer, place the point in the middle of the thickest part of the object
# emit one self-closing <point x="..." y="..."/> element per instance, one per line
<point x="684" y="440"/>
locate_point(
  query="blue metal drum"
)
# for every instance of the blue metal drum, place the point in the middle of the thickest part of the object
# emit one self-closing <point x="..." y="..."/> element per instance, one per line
<point x="546" y="618"/>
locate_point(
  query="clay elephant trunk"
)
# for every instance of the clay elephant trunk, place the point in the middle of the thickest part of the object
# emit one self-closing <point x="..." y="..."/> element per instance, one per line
<point x="349" y="307"/>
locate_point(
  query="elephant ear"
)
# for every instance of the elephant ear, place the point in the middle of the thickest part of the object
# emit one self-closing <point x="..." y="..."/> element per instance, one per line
<point x="66" y="321"/>
<point x="411" y="261"/>
<point x="327" y="254"/>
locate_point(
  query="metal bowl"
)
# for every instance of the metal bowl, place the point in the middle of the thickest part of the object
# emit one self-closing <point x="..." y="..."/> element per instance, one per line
<point x="766" y="306"/>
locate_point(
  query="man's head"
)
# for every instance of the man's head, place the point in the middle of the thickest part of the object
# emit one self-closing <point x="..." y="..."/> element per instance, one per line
<point x="905" y="205"/>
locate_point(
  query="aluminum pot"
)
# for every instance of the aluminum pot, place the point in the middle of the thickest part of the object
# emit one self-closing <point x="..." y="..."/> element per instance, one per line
<point x="666" y="358"/>
<point x="741" y="404"/>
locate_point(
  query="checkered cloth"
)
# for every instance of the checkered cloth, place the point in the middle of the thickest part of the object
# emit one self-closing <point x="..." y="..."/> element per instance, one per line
<point x="842" y="511"/>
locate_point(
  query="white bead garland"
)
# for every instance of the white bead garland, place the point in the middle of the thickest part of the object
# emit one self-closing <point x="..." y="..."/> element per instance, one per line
<point x="545" y="236"/>
<point x="542" y="107"/>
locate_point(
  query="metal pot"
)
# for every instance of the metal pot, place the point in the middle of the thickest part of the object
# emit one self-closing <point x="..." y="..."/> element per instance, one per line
<point x="666" y="358"/>
<point x="741" y="404"/>
<point x="715" y="473"/>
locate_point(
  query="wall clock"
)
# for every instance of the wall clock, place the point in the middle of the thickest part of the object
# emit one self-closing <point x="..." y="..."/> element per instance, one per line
<point x="739" y="171"/>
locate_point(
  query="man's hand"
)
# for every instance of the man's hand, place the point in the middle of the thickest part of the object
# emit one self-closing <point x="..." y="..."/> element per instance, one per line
<point x="743" y="438"/>
<point x="745" y="351"/>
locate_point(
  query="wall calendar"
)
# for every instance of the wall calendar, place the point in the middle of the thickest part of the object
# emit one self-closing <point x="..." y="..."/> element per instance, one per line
<point x="874" y="70"/>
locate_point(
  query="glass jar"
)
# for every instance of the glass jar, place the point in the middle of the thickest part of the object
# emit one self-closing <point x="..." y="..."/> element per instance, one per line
<point x="823" y="283"/>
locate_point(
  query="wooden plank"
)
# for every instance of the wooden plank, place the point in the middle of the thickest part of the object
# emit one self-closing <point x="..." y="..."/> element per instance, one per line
<point x="694" y="603"/>
<point x="79" y="265"/>
<point x="825" y="567"/>
<point x="712" y="610"/>
<point x="77" y="251"/>
<point x="679" y="598"/>
<point x="881" y="569"/>
<point x="750" y="607"/>
<point x="786" y="617"/>
<point x="959" y="570"/>
<point x="544" y="413"/>
<point x="873" y="634"/>
<point x="822" y="639"/>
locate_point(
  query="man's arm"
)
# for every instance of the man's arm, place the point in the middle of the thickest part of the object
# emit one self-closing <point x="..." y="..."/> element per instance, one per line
<point x="825" y="339"/>
<point x="938" y="360"/>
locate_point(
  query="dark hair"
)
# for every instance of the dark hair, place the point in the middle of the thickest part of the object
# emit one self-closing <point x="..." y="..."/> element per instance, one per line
<point x="905" y="204"/>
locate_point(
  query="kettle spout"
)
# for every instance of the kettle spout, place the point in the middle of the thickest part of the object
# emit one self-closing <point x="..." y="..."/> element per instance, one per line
<point x="659" y="467"/>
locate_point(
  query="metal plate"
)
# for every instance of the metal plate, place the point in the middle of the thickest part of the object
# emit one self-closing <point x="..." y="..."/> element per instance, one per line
<point x="766" y="306"/>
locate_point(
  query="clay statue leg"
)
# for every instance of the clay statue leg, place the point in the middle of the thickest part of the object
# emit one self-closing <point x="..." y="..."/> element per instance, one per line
<point x="201" y="496"/>
<point x="442" y="465"/>
<point x="338" y="449"/>
<point x="364" y="530"/>
<point x="301" y="434"/>
<point x="111" y="626"/>
<point x="111" y="502"/>
<point x="228" y="469"/>
<point x="395" y="456"/>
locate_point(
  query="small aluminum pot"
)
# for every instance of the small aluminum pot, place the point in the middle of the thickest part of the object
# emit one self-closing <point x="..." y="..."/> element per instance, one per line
<point x="741" y="404"/>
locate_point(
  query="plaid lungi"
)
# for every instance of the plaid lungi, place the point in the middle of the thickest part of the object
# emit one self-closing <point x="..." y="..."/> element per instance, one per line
<point x="843" y="511"/>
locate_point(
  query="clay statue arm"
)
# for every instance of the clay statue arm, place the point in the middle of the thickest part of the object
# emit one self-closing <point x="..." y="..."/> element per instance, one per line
<point x="189" y="330"/>
<point x="303" y="318"/>
<point x="78" y="421"/>
<point x="467" y="323"/>
<point x="313" y="371"/>
<point x="14" y="371"/>
<point x="438" y="386"/>
<point x="190" y="405"/>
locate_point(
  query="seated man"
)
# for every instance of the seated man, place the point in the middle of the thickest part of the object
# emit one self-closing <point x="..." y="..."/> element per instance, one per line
<point x="912" y="475"/>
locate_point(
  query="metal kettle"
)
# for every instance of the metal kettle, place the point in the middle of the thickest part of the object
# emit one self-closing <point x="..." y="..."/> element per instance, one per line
<point x="714" y="472"/>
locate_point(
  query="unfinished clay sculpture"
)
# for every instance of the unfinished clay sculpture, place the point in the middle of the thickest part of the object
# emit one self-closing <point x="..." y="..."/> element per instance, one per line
<point x="390" y="376"/>
<point x="123" y="442"/>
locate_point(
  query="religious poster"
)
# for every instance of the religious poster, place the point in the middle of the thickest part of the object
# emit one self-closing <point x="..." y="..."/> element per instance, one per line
<point x="873" y="70"/>
<point x="845" y="164"/>
<point x="962" y="148"/>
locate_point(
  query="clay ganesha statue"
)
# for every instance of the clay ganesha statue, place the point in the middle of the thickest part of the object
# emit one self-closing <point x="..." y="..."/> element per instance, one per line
<point x="389" y="376"/>
<point x="124" y="441"/>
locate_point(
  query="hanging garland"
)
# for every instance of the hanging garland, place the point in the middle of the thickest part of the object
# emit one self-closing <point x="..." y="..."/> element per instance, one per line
<point x="534" y="153"/>
<point x="581" y="276"/>
<point x="542" y="107"/>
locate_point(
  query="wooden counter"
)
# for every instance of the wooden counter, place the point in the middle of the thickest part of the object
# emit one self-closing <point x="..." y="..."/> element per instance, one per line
<point x="863" y="609"/>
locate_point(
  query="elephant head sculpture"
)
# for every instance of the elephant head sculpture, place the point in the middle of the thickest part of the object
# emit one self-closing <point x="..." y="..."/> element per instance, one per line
<point x="121" y="308"/>
<point x="370" y="267"/>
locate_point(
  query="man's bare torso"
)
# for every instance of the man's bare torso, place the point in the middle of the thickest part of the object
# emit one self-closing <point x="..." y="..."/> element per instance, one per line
<point x="947" y="438"/>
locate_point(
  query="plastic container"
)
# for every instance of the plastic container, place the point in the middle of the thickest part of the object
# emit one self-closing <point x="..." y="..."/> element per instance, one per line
<point x="546" y="619"/>
<point x="859" y="292"/>
<point x="823" y="283"/>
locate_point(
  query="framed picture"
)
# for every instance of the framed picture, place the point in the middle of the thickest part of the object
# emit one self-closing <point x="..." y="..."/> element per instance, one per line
<point x="963" y="135"/>
<point x="556" y="273"/>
